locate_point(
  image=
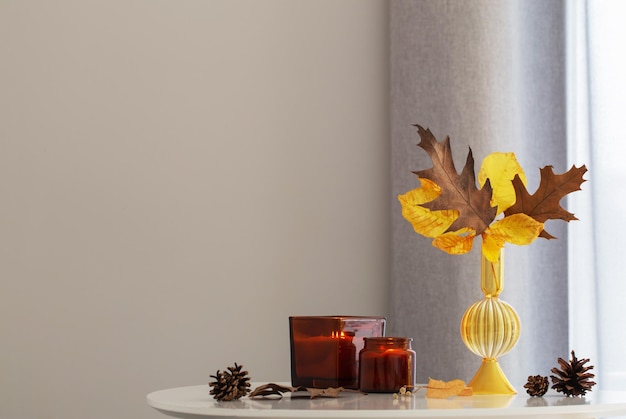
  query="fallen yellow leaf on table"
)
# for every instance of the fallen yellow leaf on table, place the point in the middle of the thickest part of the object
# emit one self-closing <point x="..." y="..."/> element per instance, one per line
<point x="437" y="389"/>
<point x="467" y="391"/>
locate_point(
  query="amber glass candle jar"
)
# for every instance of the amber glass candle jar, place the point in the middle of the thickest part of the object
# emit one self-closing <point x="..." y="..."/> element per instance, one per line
<point x="386" y="365"/>
<point x="325" y="349"/>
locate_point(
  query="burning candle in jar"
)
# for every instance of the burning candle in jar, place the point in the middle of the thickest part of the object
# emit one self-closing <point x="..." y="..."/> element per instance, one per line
<point x="327" y="358"/>
<point x="386" y="365"/>
<point x="325" y="349"/>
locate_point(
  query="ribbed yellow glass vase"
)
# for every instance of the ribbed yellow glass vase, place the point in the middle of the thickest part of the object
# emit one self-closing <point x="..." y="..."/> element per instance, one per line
<point x="490" y="328"/>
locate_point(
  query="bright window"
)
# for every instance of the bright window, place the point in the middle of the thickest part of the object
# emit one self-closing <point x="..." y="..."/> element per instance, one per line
<point x="598" y="137"/>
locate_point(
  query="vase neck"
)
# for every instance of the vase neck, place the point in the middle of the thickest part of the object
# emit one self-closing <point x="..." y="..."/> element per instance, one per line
<point x="492" y="275"/>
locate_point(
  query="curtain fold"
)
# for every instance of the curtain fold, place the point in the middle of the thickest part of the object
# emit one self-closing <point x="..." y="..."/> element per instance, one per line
<point x="491" y="75"/>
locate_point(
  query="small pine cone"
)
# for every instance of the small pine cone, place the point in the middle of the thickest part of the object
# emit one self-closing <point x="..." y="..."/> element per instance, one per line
<point x="573" y="379"/>
<point x="537" y="385"/>
<point x="230" y="385"/>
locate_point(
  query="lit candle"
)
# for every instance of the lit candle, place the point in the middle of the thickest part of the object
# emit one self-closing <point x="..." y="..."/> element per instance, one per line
<point x="325" y="349"/>
<point x="386" y="365"/>
<point x="326" y="357"/>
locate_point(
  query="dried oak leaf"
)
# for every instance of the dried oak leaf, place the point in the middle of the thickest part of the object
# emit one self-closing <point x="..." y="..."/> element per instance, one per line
<point x="325" y="392"/>
<point x="458" y="192"/>
<point x="273" y="389"/>
<point x="544" y="204"/>
<point x="437" y="389"/>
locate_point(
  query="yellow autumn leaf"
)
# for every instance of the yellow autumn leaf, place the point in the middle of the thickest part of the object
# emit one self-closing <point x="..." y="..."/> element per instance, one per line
<point x="500" y="169"/>
<point x="492" y="243"/>
<point x="427" y="192"/>
<point x="429" y="223"/>
<point x="455" y="242"/>
<point x="467" y="391"/>
<point x="517" y="229"/>
<point x="424" y="221"/>
<point x="491" y="246"/>
<point x="437" y="389"/>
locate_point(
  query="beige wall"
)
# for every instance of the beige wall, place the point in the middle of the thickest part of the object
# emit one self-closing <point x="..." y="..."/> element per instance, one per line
<point x="176" y="179"/>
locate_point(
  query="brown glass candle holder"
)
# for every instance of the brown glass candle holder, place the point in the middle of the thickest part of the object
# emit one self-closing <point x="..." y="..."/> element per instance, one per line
<point x="325" y="349"/>
<point x="386" y="365"/>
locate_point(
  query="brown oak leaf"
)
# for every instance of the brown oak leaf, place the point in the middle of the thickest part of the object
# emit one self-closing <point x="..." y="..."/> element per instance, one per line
<point x="459" y="192"/>
<point x="325" y="392"/>
<point x="544" y="204"/>
<point x="273" y="389"/>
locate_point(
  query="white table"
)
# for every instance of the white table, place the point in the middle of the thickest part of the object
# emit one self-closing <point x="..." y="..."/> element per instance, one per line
<point x="194" y="402"/>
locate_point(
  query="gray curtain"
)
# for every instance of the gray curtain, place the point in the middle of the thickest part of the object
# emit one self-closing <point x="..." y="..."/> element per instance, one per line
<point x="491" y="75"/>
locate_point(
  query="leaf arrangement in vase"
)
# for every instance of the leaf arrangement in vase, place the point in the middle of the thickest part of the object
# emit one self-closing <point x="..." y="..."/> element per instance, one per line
<point x="452" y="210"/>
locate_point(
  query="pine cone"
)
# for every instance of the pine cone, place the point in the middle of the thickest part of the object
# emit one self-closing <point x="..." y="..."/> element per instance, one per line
<point x="230" y="385"/>
<point x="537" y="385"/>
<point x="573" y="378"/>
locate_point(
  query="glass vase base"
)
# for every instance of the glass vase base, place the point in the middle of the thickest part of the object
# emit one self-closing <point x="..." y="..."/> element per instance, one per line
<point x="490" y="379"/>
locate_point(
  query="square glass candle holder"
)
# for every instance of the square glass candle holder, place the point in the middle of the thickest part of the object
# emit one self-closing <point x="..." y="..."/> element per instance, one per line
<point x="325" y="349"/>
